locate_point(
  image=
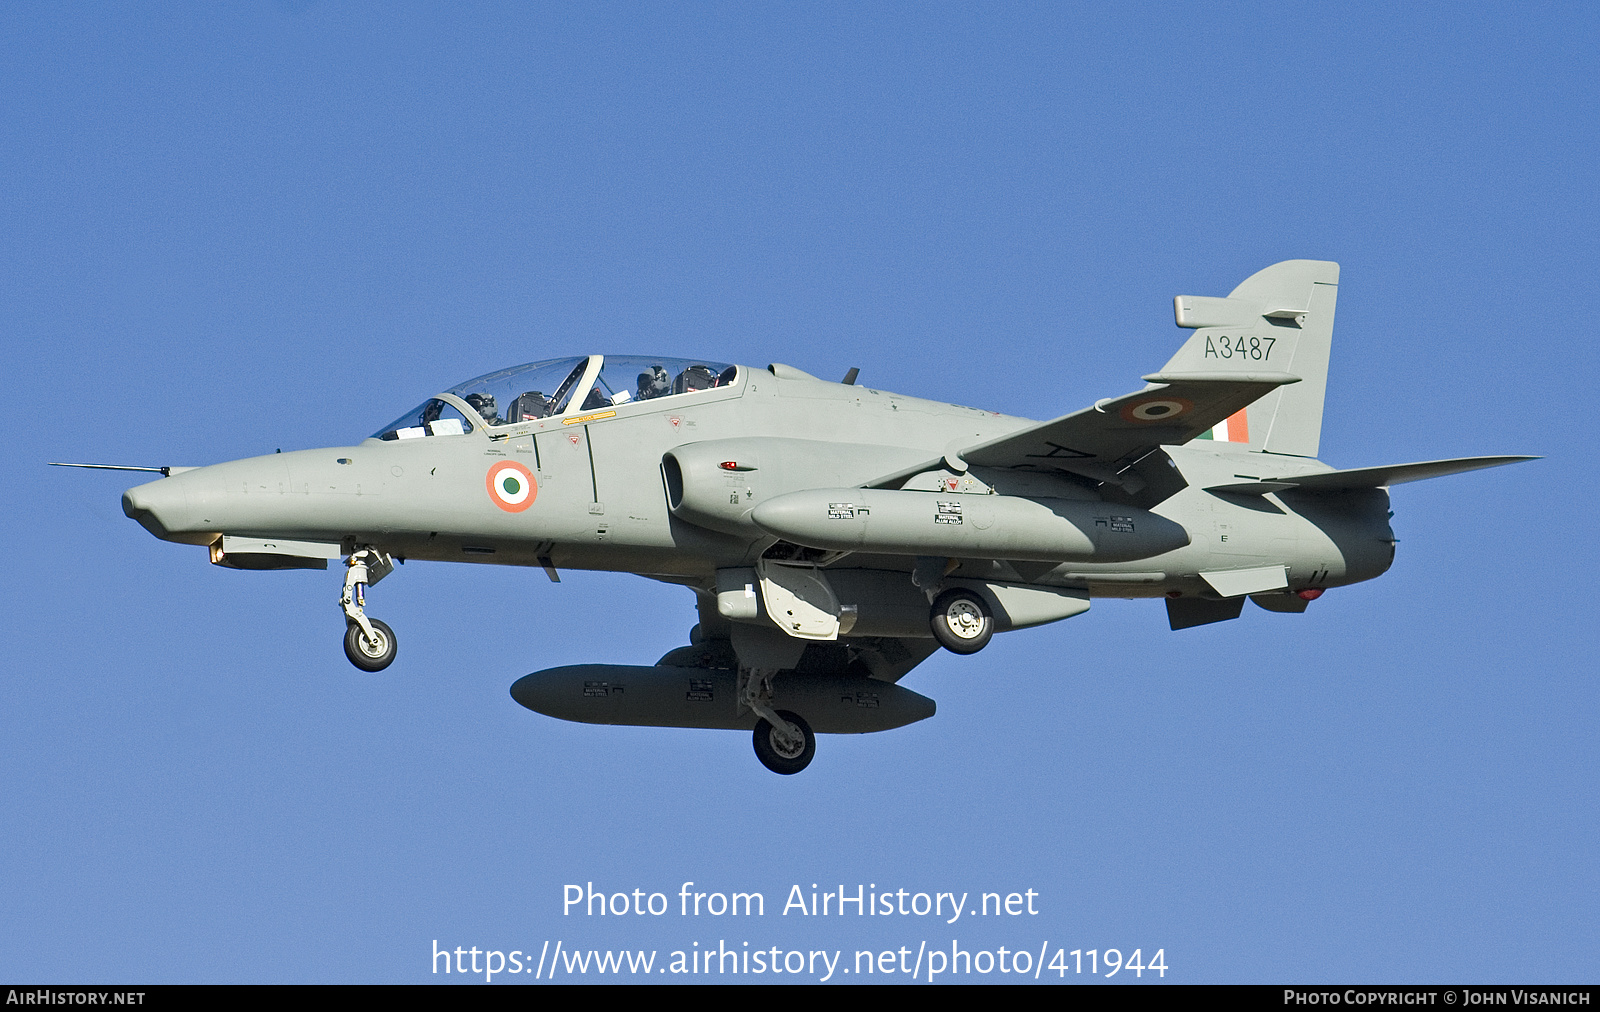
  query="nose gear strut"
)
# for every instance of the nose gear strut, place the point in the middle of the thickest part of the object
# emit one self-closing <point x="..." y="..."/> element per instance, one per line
<point x="369" y="643"/>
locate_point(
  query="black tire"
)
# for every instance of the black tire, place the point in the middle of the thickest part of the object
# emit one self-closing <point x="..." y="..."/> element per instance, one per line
<point x="961" y="622"/>
<point x="368" y="656"/>
<point x="773" y="759"/>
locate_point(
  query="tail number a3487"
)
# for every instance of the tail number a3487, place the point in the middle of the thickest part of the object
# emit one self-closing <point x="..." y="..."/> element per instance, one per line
<point x="1257" y="349"/>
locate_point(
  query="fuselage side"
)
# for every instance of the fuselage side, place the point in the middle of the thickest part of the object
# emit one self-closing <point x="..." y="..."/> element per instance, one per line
<point x="600" y="500"/>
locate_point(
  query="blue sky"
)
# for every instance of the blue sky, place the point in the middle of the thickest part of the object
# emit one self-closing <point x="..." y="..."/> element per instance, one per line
<point x="230" y="229"/>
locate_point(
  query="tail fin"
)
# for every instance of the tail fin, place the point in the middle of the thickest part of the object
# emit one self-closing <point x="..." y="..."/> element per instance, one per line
<point x="1280" y="319"/>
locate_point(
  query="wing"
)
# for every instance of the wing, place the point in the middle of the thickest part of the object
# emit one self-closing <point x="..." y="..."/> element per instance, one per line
<point x="1100" y="441"/>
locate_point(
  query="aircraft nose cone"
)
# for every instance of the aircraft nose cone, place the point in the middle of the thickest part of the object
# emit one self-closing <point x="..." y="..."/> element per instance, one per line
<point x="159" y="507"/>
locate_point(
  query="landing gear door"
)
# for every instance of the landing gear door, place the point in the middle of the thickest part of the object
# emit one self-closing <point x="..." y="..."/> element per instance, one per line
<point x="799" y="600"/>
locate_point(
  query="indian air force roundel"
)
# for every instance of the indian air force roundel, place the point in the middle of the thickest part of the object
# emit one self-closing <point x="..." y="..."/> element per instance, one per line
<point x="511" y="486"/>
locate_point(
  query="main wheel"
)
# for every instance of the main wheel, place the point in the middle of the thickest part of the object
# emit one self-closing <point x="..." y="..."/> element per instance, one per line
<point x="369" y="655"/>
<point x="779" y="756"/>
<point x="961" y="622"/>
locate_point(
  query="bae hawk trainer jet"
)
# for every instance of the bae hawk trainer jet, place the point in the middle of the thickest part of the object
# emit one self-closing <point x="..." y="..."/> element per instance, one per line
<point x="834" y="536"/>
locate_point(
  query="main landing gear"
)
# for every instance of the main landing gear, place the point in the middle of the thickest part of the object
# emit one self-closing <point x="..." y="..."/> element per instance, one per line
<point x="783" y="741"/>
<point x="785" y="751"/>
<point x="961" y="621"/>
<point x="369" y="643"/>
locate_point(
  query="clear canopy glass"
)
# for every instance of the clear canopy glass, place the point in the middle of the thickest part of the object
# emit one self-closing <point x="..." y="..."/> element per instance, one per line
<point x="432" y="417"/>
<point x="625" y="378"/>
<point x="546" y="389"/>
<point x="525" y="392"/>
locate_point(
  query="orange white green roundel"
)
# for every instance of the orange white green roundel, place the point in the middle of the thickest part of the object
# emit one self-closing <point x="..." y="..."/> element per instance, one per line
<point x="511" y="486"/>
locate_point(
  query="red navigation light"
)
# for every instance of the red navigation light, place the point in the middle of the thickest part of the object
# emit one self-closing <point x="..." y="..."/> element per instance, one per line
<point x="729" y="465"/>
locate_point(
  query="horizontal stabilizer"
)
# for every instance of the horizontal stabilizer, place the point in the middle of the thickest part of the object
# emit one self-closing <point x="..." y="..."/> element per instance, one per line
<point x="1366" y="477"/>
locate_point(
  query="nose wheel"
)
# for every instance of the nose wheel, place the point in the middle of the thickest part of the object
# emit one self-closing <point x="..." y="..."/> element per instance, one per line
<point x="369" y="652"/>
<point x="369" y="643"/>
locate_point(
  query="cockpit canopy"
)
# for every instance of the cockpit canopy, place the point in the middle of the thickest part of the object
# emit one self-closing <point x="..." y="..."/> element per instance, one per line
<point x="550" y="389"/>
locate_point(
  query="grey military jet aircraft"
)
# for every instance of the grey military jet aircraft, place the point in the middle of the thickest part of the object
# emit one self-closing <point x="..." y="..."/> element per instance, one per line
<point x="834" y="536"/>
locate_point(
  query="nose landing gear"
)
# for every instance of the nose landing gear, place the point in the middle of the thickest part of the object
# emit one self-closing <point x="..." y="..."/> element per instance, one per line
<point x="369" y="643"/>
<point x="369" y="651"/>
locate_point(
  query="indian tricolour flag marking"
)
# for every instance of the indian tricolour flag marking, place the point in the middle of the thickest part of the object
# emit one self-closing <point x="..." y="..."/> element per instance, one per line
<point x="1233" y="429"/>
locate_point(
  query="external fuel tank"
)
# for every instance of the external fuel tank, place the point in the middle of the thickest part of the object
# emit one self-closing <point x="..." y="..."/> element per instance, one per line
<point x="893" y="522"/>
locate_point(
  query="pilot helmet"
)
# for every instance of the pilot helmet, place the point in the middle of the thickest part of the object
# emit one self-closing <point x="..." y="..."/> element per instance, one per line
<point x="484" y="403"/>
<point x="654" y="382"/>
